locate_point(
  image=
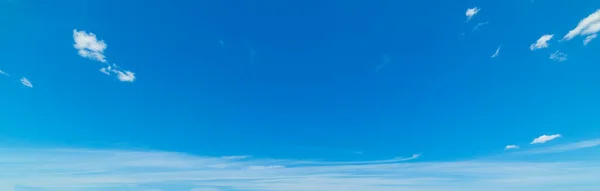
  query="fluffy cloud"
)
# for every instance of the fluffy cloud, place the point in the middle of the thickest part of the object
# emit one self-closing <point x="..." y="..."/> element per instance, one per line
<point x="588" y="26"/>
<point x="496" y="53"/>
<point x="471" y="12"/>
<point x="89" y="46"/>
<point x="508" y="147"/>
<point x="545" y="138"/>
<point x="558" y="56"/>
<point x="26" y="82"/>
<point x="126" y="76"/>
<point x="542" y="42"/>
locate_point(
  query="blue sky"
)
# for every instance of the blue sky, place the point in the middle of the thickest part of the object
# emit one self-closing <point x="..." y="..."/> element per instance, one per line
<point x="299" y="95"/>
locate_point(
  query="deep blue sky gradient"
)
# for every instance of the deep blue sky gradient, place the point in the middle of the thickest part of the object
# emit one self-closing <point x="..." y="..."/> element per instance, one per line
<point x="298" y="79"/>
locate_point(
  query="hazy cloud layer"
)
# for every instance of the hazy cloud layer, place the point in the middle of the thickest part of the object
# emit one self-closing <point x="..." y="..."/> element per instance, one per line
<point x="116" y="170"/>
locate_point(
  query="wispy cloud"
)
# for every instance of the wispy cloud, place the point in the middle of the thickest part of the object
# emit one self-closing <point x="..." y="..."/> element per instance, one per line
<point x="89" y="46"/>
<point x="90" y="169"/>
<point x="566" y="147"/>
<point x="588" y="26"/>
<point x="394" y="160"/>
<point x="509" y="147"/>
<point x="558" y="56"/>
<point x="471" y="12"/>
<point x="497" y="52"/>
<point x="589" y="38"/>
<point x="545" y="138"/>
<point x="3" y="73"/>
<point x="205" y="189"/>
<point x="265" y="167"/>
<point x="26" y="82"/>
<point x="542" y="42"/>
<point x="240" y="157"/>
<point x="480" y="24"/>
<point x="384" y="61"/>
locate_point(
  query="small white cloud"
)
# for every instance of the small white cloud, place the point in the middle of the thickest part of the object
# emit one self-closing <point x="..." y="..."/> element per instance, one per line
<point x="472" y="12"/>
<point x="542" y="42"/>
<point x="3" y="73"/>
<point x="126" y="76"/>
<point x="508" y="147"/>
<point x="122" y="75"/>
<point x="558" y="56"/>
<point x="496" y="53"/>
<point x="26" y="82"/>
<point x="89" y="46"/>
<point x="589" y="38"/>
<point x="588" y="26"/>
<point x="545" y="138"/>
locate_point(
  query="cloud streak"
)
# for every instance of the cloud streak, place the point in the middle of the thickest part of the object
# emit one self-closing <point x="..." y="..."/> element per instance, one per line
<point x="26" y="82"/>
<point x="478" y="25"/>
<point x="496" y="53"/>
<point x="567" y="147"/>
<point x="3" y="73"/>
<point x="91" y="169"/>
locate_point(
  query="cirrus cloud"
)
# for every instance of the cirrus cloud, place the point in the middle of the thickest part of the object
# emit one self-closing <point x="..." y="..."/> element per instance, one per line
<point x="50" y="169"/>
<point x="497" y="52"/>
